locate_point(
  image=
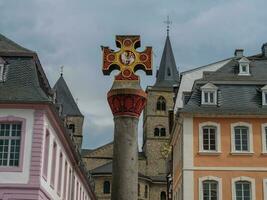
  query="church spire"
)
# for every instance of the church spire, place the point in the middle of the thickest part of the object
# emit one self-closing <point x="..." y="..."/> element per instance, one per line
<point x="167" y="75"/>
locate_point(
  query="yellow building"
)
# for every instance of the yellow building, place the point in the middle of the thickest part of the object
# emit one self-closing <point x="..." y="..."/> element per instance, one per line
<point x="220" y="130"/>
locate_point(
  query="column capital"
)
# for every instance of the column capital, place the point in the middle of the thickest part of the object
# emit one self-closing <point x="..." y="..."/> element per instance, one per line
<point x="126" y="101"/>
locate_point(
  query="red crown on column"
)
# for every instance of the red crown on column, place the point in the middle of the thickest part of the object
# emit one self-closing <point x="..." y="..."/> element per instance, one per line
<point x="127" y="102"/>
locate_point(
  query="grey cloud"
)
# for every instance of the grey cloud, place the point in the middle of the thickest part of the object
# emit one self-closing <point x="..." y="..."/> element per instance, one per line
<point x="69" y="33"/>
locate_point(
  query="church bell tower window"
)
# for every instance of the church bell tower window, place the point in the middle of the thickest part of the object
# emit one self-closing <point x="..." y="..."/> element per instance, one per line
<point x="161" y="104"/>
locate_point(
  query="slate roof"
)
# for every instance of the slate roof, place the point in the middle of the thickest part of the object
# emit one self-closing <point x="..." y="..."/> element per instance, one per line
<point x="167" y="75"/>
<point x="7" y="45"/>
<point x="65" y="98"/>
<point x="25" y="80"/>
<point x="107" y="169"/>
<point x="236" y="94"/>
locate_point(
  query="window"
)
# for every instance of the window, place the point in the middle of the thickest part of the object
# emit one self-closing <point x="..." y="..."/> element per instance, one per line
<point x="146" y="191"/>
<point x="3" y="70"/>
<point x="53" y="166"/>
<point x="46" y="154"/>
<point x="161" y="104"/>
<point x="209" y="137"/>
<point x="163" y="196"/>
<point x="169" y="72"/>
<point x="60" y="173"/>
<point x="1" y="73"/>
<point x="264" y="95"/>
<point x="106" y="187"/>
<point x="162" y="132"/>
<point x="264" y="137"/>
<point x="159" y="131"/>
<point x="138" y="189"/>
<point x="242" y="137"/>
<point x="71" y="127"/>
<point x="244" y="66"/>
<point x="210" y="188"/>
<point x="243" y="188"/>
<point x="65" y="180"/>
<point x="265" y="189"/>
<point x="209" y="94"/>
<point x="70" y="185"/>
<point x="10" y="142"/>
<point x="156" y="132"/>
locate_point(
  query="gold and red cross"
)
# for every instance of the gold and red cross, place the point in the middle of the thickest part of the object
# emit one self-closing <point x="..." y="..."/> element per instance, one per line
<point x="127" y="60"/>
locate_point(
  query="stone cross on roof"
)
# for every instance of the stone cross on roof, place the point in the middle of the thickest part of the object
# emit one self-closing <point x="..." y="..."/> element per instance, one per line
<point x="127" y="60"/>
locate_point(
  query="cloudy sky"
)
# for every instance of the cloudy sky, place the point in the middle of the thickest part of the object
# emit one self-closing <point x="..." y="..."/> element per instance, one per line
<point x="70" y="32"/>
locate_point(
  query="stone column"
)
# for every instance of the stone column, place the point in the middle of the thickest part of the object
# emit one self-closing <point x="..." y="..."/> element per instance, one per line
<point x="126" y="100"/>
<point x="126" y="105"/>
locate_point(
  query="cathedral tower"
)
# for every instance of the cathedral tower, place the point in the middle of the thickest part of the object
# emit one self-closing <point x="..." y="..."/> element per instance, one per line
<point x="156" y="113"/>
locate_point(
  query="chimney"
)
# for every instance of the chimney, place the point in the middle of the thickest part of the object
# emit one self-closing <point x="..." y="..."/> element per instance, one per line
<point x="264" y="50"/>
<point x="239" y="53"/>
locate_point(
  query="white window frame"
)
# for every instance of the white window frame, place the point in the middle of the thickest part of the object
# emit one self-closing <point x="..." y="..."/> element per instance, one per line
<point x="209" y="91"/>
<point x="265" y="188"/>
<point x="244" y="178"/>
<point x="2" y="72"/>
<point x="209" y="178"/>
<point x="244" y="62"/>
<point x="250" y="142"/>
<point x="218" y="137"/>
<point x="264" y="92"/>
<point x="263" y="138"/>
<point x="209" y="88"/>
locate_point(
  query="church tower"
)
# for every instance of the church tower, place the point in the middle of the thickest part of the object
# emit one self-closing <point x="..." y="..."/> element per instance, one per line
<point x="69" y="111"/>
<point x="156" y="113"/>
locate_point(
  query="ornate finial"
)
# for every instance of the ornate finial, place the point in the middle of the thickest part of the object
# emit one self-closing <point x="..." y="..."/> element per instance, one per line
<point x="127" y="59"/>
<point x="168" y="22"/>
<point x="61" y="70"/>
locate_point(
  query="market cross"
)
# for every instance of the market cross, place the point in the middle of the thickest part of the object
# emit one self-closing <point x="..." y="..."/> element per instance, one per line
<point x="127" y="60"/>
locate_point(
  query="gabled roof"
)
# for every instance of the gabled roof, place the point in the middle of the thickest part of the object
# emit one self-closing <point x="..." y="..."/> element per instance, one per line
<point x="65" y="98"/>
<point x="209" y="86"/>
<point x="8" y="46"/>
<point x="244" y="60"/>
<point x="168" y="74"/>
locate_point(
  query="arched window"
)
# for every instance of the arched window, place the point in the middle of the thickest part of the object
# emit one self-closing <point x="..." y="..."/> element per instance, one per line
<point x="242" y="137"/>
<point x="161" y="104"/>
<point x="106" y="187"/>
<point x="162" y="132"/>
<point x="209" y="137"/>
<point x="210" y="190"/>
<point x="146" y="191"/>
<point x="243" y="190"/>
<point x="138" y="189"/>
<point x="156" y="132"/>
<point x="163" y="195"/>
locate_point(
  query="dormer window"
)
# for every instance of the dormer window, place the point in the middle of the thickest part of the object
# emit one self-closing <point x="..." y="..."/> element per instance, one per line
<point x="209" y="94"/>
<point x="3" y="70"/>
<point x="264" y="95"/>
<point x="244" y="66"/>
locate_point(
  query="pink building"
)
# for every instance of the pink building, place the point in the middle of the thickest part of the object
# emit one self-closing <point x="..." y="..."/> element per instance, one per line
<point x="38" y="158"/>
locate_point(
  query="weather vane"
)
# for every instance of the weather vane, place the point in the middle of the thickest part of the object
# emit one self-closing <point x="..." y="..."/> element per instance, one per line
<point x="61" y="70"/>
<point x="168" y="22"/>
